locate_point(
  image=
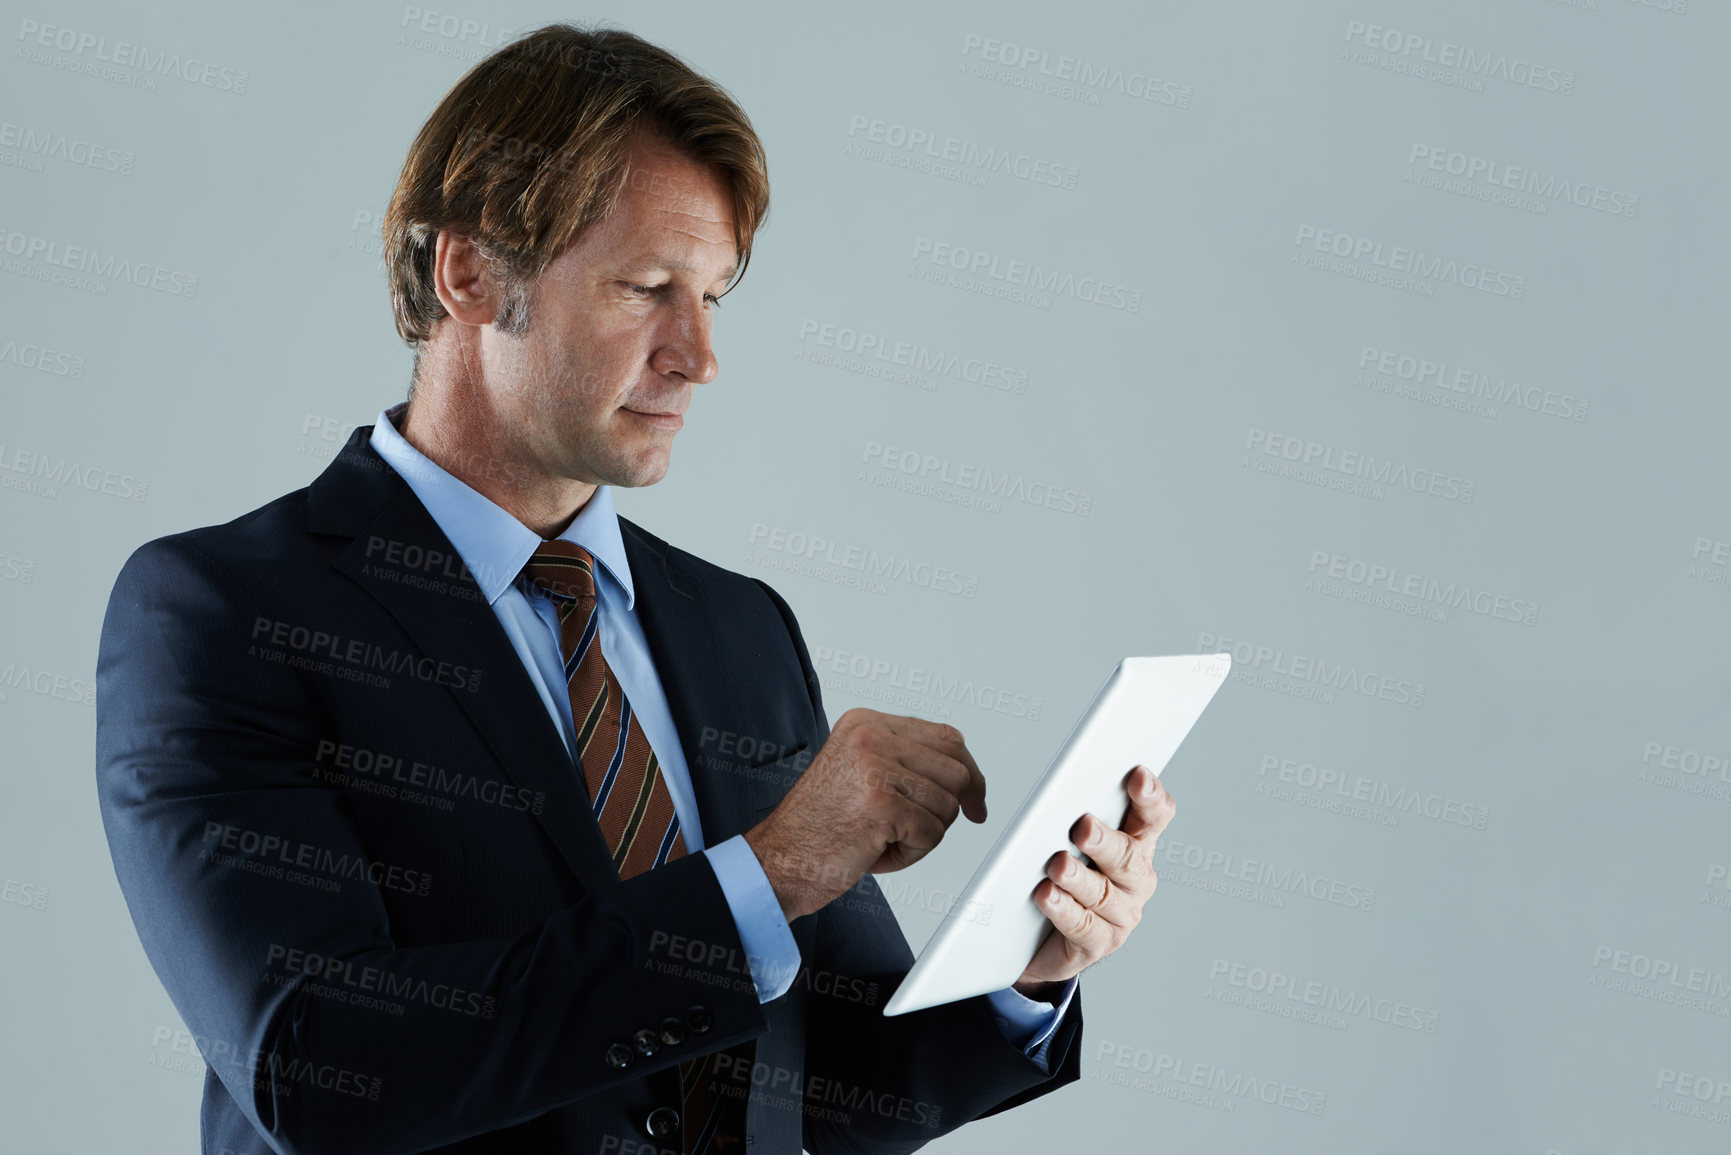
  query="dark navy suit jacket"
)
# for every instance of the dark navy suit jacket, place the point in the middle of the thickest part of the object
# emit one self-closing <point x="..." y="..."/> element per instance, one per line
<point x="362" y="864"/>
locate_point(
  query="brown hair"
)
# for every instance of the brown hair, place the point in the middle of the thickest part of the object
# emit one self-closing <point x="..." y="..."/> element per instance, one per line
<point x="529" y="148"/>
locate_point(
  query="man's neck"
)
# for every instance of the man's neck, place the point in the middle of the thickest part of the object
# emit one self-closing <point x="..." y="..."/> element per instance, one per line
<point x="543" y="504"/>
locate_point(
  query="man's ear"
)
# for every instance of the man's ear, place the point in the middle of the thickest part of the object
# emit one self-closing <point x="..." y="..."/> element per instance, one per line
<point x="462" y="280"/>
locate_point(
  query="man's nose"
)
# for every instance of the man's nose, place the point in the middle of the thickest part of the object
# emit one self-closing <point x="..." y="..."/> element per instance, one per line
<point x="689" y="349"/>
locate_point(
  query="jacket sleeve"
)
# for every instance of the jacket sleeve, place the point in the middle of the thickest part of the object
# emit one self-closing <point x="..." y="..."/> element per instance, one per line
<point x="203" y="775"/>
<point x="876" y="1085"/>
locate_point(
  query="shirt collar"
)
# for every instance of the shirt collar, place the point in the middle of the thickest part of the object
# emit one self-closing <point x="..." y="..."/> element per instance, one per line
<point x="494" y="545"/>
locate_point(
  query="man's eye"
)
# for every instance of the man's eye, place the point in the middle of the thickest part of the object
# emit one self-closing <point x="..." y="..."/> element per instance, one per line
<point x="709" y="298"/>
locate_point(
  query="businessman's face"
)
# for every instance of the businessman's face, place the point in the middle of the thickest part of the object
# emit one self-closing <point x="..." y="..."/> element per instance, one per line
<point x="619" y="329"/>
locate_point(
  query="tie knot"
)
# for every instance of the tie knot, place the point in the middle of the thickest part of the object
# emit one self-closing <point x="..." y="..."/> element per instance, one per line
<point x="562" y="568"/>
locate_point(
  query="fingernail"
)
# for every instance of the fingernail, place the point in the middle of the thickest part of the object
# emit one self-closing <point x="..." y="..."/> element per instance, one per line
<point x="1147" y="782"/>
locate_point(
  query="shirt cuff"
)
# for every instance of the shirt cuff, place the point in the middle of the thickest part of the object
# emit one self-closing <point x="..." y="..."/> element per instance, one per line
<point x="769" y="946"/>
<point x="1030" y="1022"/>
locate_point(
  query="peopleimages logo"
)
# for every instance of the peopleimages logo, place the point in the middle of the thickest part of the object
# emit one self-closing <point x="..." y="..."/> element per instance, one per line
<point x="1424" y="268"/>
<point x="1657" y="971"/>
<point x="1354" y="471"/>
<point x="966" y="476"/>
<point x="1335" y="791"/>
<point x="282" y="1076"/>
<point x="104" y="267"/>
<point x="47" y="683"/>
<point x="1415" y="51"/>
<point x="1375" y="578"/>
<point x="865" y="348"/>
<point x="1710" y="561"/>
<point x="1070" y="77"/>
<point x="124" y="54"/>
<point x="1230" y="1087"/>
<point x="1252" y="663"/>
<point x="48" y="473"/>
<point x="17" y="569"/>
<point x="1326" y="996"/>
<point x="1423" y="371"/>
<point x="1497" y="176"/>
<point x="452" y="27"/>
<point x="1718" y="879"/>
<point x="1683" y="1093"/>
<point x="889" y="141"/>
<point x="23" y="894"/>
<point x="40" y="144"/>
<point x="355" y="659"/>
<point x="1225" y="868"/>
<point x="977" y="263"/>
<point x="41" y="358"/>
<point x="922" y="681"/>
<point x="829" y="560"/>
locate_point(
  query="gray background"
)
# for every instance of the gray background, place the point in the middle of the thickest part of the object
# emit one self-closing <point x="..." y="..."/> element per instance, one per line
<point x="1271" y="120"/>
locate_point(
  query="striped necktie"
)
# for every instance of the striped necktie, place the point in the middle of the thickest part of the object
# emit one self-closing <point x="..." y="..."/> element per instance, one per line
<point x="629" y="798"/>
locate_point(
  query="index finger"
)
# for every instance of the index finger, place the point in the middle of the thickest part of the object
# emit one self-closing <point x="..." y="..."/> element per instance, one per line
<point x="1149" y="811"/>
<point x="946" y="739"/>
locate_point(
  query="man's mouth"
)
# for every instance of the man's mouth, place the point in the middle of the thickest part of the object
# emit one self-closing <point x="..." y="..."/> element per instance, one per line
<point x="669" y="419"/>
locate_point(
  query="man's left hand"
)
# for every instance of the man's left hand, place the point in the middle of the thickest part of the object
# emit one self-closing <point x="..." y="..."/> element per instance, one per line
<point x="1094" y="908"/>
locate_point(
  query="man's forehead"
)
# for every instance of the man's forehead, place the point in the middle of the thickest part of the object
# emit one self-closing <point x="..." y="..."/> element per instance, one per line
<point x="674" y="219"/>
<point x="667" y="177"/>
<point x="680" y="203"/>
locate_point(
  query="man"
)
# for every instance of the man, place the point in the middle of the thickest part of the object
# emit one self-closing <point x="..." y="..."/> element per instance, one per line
<point x="456" y="812"/>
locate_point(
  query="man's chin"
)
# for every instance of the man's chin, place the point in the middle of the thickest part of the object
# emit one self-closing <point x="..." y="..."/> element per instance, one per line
<point x="645" y="470"/>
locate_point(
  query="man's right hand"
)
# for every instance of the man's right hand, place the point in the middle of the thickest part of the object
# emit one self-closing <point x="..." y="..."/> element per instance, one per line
<point x="879" y="795"/>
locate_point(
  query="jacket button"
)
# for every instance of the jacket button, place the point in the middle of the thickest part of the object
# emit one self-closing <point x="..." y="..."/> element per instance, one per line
<point x="619" y="1056"/>
<point x="661" y="1122"/>
<point x="646" y="1042"/>
<point x="672" y="1032"/>
<point x="698" y="1018"/>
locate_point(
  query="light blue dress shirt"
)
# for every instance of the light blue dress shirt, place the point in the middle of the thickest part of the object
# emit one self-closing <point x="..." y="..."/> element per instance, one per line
<point x="495" y="547"/>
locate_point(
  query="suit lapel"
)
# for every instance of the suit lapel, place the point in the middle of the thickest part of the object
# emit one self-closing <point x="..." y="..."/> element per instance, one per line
<point x="680" y="631"/>
<point x="453" y="622"/>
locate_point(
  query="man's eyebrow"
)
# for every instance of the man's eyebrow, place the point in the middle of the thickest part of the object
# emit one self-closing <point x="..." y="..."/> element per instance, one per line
<point x="677" y="266"/>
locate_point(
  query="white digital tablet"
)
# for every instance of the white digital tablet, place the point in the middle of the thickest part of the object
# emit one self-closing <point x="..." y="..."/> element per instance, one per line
<point x="989" y="935"/>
